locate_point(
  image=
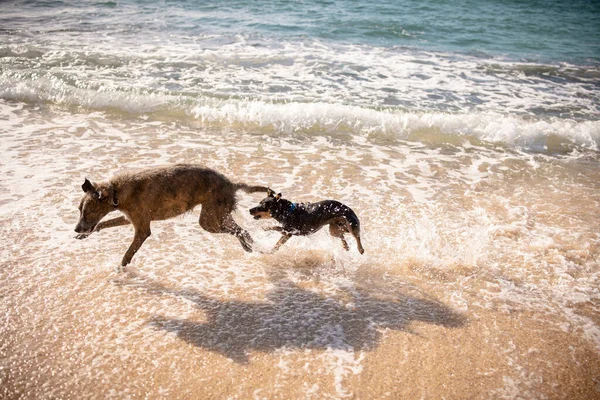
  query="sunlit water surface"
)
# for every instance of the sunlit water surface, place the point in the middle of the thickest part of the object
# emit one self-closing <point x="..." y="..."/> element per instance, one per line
<point x="480" y="276"/>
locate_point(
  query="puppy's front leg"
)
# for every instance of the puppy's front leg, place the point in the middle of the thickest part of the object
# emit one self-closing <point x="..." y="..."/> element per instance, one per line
<point x="284" y="238"/>
<point x="274" y="228"/>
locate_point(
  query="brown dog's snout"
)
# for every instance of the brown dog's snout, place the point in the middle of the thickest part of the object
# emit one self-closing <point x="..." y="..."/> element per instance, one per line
<point x="82" y="227"/>
<point x="78" y="228"/>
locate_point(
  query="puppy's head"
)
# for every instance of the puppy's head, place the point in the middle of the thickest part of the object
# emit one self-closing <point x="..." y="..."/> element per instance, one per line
<point x="266" y="206"/>
<point x="97" y="201"/>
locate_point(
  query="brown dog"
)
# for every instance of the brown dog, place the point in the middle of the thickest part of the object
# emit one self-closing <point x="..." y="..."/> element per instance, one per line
<point x="161" y="193"/>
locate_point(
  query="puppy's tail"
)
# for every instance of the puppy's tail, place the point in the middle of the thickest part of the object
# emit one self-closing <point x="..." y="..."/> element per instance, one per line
<point x="250" y="189"/>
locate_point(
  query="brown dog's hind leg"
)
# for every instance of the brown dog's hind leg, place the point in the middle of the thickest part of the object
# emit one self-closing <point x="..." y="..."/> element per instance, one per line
<point x="141" y="234"/>
<point x="231" y="227"/>
<point x="215" y="221"/>
<point x="210" y="219"/>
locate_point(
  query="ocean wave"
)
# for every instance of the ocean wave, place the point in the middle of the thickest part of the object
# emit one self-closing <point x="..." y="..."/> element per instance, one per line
<point x="564" y="73"/>
<point x="529" y="134"/>
<point x="314" y="88"/>
<point x="302" y="72"/>
<point x="534" y="134"/>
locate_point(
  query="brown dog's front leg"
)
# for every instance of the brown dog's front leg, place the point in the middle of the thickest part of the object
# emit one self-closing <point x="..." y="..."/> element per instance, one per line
<point x="105" y="224"/>
<point x="112" y="223"/>
<point x="141" y="234"/>
<point x="281" y="241"/>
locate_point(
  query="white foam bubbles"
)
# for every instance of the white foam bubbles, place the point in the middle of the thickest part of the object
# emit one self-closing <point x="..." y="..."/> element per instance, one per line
<point x="529" y="134"/>
<point x="315" y="86"/>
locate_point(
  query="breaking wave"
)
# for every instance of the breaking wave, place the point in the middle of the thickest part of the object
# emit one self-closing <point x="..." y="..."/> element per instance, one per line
<point x="550" y="134"/>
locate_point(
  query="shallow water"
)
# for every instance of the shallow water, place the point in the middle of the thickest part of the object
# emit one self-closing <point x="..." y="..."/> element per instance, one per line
<point x="465" y="135"/>
<point x="480" y="277"/>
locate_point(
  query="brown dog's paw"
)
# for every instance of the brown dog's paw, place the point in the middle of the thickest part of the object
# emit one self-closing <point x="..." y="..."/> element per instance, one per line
<point x="82" y="236"/>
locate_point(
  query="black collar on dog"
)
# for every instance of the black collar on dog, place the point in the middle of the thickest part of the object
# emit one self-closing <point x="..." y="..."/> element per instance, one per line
<point x="115" y="200"/>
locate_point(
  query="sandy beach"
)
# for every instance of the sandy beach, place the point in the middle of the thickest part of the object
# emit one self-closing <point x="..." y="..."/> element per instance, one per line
<point x="91" y="332"/>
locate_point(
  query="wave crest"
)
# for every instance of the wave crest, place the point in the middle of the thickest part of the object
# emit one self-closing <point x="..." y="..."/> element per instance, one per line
<point x="536" y="134"/>
<point x="527" y="134"/>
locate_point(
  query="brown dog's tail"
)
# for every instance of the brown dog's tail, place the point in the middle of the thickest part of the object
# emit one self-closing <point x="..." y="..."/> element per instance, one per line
<point x="250" y="189"/>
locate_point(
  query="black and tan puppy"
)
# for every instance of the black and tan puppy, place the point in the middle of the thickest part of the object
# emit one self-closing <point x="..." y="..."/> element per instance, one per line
<point x="307" y="218"/>
<point x="160" y="193"/>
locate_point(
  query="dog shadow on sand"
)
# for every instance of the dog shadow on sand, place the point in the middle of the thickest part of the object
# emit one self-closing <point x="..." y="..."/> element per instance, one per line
<point x="295" y="318"/>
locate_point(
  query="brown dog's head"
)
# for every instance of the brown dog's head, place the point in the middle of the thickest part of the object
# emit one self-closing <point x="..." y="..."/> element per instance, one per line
<point x="98" y="201"/>
<point x="267" y="206"/>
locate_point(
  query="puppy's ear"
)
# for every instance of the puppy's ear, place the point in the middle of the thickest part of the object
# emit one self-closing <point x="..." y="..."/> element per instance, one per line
<point x="270" y="192"/>
<point x="88" y="186"/>
<point x="278" y="196"/>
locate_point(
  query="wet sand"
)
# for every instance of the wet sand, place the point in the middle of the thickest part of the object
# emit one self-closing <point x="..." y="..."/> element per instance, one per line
<point x="96" y="333"/>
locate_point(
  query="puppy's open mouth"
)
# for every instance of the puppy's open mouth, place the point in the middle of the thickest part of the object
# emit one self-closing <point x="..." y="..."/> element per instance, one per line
<point x="260" y="214"/>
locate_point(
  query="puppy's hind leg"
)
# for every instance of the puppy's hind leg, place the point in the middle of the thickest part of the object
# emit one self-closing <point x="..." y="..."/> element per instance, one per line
<point x="337" y="229"/>
<point x="354" y="228"/>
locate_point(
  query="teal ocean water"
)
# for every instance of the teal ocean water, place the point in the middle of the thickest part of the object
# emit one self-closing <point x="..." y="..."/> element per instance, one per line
<point x="464" y="134"/>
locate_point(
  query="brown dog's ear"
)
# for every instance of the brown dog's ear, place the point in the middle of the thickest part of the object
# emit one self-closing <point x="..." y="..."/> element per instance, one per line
<point x="88" y="186"/>
<point x="278" y="196"/>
